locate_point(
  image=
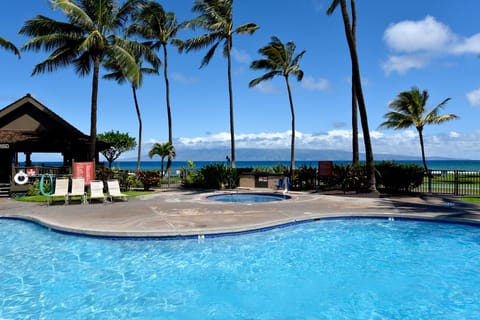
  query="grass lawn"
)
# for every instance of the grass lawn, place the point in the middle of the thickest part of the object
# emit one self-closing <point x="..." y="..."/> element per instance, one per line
<point x="471" y="199"/>
<point x="40" y="198"/>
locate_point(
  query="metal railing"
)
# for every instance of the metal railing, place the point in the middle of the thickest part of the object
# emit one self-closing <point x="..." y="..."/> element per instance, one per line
<point x="454" y="182"/>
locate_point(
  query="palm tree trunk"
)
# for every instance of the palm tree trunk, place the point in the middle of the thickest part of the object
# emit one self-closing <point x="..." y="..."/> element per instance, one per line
<point x="361" y="102"/>
<point x="93" y="113"/>
<point x="292" y="146"/>
<point x="355" y="151"/>
<point x="169" y="112"/>
<point x="137" y="108"/>
<point x="230" y="94"/>
<point x="420" y="135"/>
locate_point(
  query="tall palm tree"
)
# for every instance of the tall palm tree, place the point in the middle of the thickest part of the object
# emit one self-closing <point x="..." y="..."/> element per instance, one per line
<point x="7" y="45"/>
<point x="216" y="17"/>
<point x="87" y="38"/>
<point x="163" y="150"/>
<point x="357" y="83"/>
<point x="135" y="79"/>
<point x="409" y="110"/>
<point x="280" y="60"/>
<point x="355" y="150"/>
<point x="159" y="28"/>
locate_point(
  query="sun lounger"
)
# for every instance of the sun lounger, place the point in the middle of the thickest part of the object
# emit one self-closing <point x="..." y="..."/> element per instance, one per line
<point x="96" y="190"/>
<point x="114" y="190"/>
<point x="78" y="189"/>
<point x="61" y="190"/>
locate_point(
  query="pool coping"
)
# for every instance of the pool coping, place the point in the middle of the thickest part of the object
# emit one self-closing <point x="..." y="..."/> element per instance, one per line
<point x="187" y="213"/>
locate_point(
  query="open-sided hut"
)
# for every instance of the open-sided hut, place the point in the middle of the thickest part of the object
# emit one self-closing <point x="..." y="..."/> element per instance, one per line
<point x="27" y="126"/>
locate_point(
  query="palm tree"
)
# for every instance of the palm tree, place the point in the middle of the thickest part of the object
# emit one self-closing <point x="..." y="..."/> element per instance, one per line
<point x="163" y="150"/>
<point x="84" y="41"/>
<point x="7" y="45"/>
<point x="159" y="28"/>
<point x="216" y="17"/>
<point x="280" y="60"/>
<point x="410" y="111"/>
<point x="136" y="79"/>
<point x="357" y="83"/>
<point x="355" y="151"/>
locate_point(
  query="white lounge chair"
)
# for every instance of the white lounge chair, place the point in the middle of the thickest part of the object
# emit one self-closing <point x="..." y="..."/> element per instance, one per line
<point x="96" y="190"/>
<point x="61" y="190"/>
<point x="114" y="190"/>
<point x="78" y="189"/>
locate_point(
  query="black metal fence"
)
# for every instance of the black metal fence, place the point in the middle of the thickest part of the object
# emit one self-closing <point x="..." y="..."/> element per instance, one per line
<point x="454" y="182"/>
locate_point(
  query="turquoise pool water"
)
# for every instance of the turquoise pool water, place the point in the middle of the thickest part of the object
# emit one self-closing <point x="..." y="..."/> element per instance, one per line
<point x="248" y="197"/>
<point x="331" y="269"/>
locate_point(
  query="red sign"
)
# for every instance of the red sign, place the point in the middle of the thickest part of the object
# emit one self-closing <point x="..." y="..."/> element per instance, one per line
<point x="325" y="168"/>
<point x="84" y="170"/>
<point x="31" y="172"/>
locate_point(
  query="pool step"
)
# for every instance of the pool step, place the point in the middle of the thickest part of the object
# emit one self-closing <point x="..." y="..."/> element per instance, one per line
<point x="4" y="189"/>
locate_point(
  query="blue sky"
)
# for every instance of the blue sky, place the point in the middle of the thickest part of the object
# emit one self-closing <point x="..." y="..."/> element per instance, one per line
<point x="433" y="45"/>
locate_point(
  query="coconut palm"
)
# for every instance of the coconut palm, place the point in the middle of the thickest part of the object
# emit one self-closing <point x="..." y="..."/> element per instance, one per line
<point x="7" y="45"/>
<point x="159" y="28"/>
<point x="355" y="150"/>
<point x="280" y="60"/>
<point x="409" y="110"/>
<point x="85" y="40"/>
<point x="163" y="150"/>
<point x="357" y="83"/>
<point x="216" y="17"/>
<point x="135" y="79"/>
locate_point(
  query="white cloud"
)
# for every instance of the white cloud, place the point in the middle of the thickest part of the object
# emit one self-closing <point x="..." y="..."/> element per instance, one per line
<point x="241" y="56"/>
<point x="402" y="64"/>
<point x="423" y="35"/>
<point x="469" y="45"/>
<point x="399" y="142"/>
<point x="473" y="97"/>
<point x="310" y="83"/>
<point x="414" y="44"/>
<point x="266" y="87"/>
<point x="177" y="76"/>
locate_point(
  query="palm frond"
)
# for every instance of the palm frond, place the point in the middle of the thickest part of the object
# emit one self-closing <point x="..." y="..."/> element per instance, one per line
<point x="4" y="43"/>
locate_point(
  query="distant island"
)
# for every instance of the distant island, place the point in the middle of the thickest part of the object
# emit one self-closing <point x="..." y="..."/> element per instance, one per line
<point x="256" y="154"/>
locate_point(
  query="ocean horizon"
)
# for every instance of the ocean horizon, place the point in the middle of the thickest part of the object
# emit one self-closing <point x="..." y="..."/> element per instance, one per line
<point x="466" y="165"/>
<point x="177" y="165"/>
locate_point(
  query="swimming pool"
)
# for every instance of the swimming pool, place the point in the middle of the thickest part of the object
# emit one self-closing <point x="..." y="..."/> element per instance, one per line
<point x="332" y="269"/>
<point x="248" y="197"/>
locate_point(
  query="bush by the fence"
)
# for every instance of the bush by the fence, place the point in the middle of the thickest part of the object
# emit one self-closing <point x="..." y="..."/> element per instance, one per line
<point x="394" y="177"/>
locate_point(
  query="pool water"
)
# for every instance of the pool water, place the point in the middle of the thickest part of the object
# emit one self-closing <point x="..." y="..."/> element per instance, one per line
<point x="333" y="269"/>
<point x="248" y="197"/>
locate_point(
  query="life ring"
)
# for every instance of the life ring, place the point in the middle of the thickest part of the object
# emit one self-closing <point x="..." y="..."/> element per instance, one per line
<point x="21" y="177"/>
<point x="42" y="184"/>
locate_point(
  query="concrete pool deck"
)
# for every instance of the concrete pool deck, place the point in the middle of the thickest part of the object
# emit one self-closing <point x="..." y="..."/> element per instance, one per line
<point x="172" y="213"/>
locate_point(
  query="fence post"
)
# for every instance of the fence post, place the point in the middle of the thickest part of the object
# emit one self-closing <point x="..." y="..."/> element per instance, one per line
<point x="429" y="177"/>
<point x="455" y="182"/>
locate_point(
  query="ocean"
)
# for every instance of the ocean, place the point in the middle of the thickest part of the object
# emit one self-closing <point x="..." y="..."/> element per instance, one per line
<point x="176" y="165"/>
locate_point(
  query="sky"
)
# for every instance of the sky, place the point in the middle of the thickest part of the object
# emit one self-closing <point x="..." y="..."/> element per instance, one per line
<point x="429" y="44"/>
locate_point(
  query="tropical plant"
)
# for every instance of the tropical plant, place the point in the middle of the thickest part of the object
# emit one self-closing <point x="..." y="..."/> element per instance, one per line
<point x="357" y="83"/>
<point x="216" y="17"/>
<point x="159" y="28"/>
<point x="409" y="110"/>
<point x="88" y="37"/>
<point x="355" y="150"/>
<point x="163" y="150"/>
<point x="7" y="45"/>
<point x="280" y="60"/>
<point x="135" y="79"/>
<point x="119" y="143"/>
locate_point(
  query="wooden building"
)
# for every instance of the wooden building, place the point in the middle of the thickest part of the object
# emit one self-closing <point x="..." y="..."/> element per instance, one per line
<point x="27" y="126"/>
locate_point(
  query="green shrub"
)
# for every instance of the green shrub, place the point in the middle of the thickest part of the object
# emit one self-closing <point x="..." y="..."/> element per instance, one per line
<point x="148" y="178"/>
<point x="213" y="176"/>
<point x="394" y="177"/>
